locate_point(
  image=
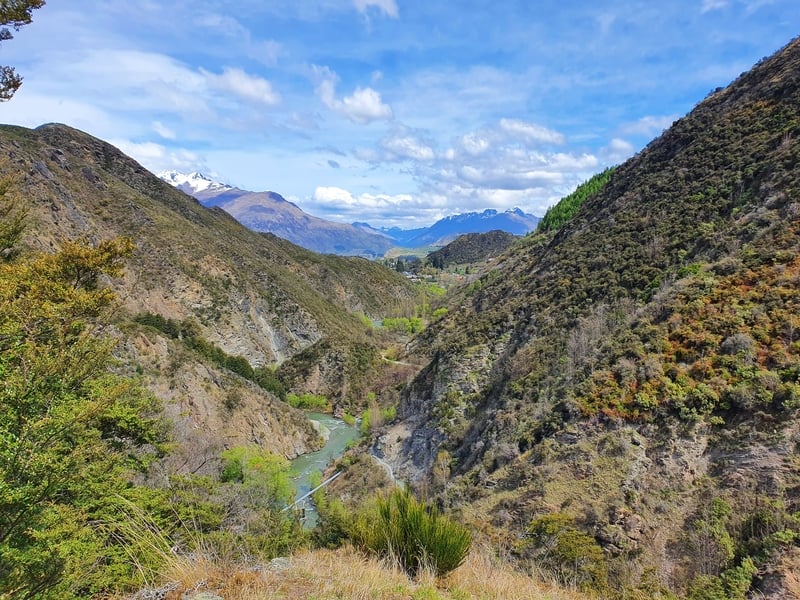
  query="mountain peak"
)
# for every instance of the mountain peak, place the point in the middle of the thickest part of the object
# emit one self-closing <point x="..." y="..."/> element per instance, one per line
<point x="193" y="182"/>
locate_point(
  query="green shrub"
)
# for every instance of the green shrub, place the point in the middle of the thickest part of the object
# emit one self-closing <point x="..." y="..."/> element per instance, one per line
<point x="574" y="557"/>
<point x="731" y="584"/>
<point x="267" y="380"/>
<point x="416" y="535"/>
<point x="308" y="401"/>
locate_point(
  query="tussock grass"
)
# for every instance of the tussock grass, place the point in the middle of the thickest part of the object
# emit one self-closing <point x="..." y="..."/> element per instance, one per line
<point x="347" y="573"/>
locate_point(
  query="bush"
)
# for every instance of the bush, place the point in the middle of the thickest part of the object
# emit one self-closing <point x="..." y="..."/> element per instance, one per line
<point x="573" y="556"/>
<point x="308" y="401"/>
<point x="416" y="535"/>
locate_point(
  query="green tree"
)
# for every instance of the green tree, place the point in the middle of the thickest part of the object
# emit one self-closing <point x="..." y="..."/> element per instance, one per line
<point x="71" y="433"/>
<point x="13" y="14"/>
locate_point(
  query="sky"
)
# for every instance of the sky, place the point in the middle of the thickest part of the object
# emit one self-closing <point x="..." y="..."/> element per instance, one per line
<point x="391" y="112"/>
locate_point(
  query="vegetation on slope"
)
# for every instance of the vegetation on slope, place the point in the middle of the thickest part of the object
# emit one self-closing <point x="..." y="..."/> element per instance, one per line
<point x="471" y="248"/>
<point x="641" y="363"/>
<point x="71" y="434"/>
<point x="566" y="208"/>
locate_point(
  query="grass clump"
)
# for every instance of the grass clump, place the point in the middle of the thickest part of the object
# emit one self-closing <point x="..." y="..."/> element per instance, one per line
<point x="416" y="535"/>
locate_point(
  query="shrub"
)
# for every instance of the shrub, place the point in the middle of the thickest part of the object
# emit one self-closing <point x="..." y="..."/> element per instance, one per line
<point x="732" y="584"/>
<point x="416" y="535"/>
<point x="307" y="401"/>
<point x="573" y="556"/>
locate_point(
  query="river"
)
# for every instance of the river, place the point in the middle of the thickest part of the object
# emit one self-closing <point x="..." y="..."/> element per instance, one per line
<point x="340" y="434"/>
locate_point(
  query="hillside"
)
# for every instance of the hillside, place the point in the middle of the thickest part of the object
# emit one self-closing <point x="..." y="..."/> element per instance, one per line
<point x="471" y="248"/>
<point x="635" y="375"/>
<point x="249" y="295"/>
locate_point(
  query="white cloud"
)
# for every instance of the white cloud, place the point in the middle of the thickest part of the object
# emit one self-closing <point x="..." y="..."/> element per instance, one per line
<point x="388" y="7"/>
<point x="247" y="87"/>
<point x="530" y="132"/>
<point x="404" y="145"/>
<point x="617" y="151"/>
<point x="382" y="210"/>
<point x="648" y="126"/>
<point x="474" y="144"/>
<point x="709" y="5"/>
<point x="157" y="157"/>
<point x="363" y="106"/>
<point x="164" y="131"/>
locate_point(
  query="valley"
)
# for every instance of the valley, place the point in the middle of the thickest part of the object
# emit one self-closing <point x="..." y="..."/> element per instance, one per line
<point x="604" y="403"/>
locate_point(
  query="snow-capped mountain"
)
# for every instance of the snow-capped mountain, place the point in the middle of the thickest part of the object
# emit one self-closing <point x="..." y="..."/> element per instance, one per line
<point x="193" y="183"/>
<point x="270" y="212"/>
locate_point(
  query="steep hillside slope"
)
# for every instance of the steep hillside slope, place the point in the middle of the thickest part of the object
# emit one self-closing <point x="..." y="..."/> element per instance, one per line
<point x="247" y="294"/>
<point x="636" y="374"/>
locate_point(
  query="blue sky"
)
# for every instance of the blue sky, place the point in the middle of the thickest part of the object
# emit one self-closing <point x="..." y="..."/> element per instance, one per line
<point x="394" y="112"/>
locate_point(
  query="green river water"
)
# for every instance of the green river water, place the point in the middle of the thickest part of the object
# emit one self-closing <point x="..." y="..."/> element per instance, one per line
<point x="315" y="462"/>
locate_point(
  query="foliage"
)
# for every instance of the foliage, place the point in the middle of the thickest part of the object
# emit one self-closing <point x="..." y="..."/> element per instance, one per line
<point x="403" y="324"/>
<point x="308" y="401"/>
<point x="259" y="470"/>
<point x="556" y="545"/>
<point x="415" y="534"/>
<point x="71" y="434"/>
<point x="556" y="216"/>
<point x="15" y="15"/>
<point x="12" y="219"/>
<point x="732" y="584"/>
<point x="471" y="248"/>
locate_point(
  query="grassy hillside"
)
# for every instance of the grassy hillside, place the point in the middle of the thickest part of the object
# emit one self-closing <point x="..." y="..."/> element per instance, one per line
<point x="633" y="374"/>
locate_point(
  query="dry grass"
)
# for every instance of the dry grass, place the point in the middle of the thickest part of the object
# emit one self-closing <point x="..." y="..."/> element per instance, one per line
<point x="345" y="573"/>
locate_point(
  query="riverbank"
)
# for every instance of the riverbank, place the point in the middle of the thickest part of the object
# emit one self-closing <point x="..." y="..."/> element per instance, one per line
<point x="305" y="468"/>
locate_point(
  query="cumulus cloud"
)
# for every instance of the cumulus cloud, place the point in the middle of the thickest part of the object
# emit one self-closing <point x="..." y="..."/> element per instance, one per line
<point x="473" y="144"/>
<point x="530" y="132"/>
<point x="363" y="106"/>
<point x="247" y="87"/>
<point x="157" y="157"/>
<point x="617" y="151"/>
<point x="405" y="145"/>
<point x="403" y="210"/>
<point x="388" y="7"/>
<point x="648" y="126"/>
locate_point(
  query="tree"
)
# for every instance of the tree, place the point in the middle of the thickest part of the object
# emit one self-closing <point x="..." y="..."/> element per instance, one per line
<point x="71" y="432"/>
<point x="13" y="14"/>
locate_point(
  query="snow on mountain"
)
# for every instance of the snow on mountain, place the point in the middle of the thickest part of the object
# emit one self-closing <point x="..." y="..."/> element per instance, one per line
<point x="193" y="182"/>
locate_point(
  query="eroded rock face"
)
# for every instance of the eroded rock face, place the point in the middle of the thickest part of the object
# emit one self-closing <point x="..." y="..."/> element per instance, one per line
<point x="212" y="409"/>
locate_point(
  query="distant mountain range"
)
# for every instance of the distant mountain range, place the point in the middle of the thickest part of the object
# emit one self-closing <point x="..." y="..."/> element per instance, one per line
<point x="270" y="212"/>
